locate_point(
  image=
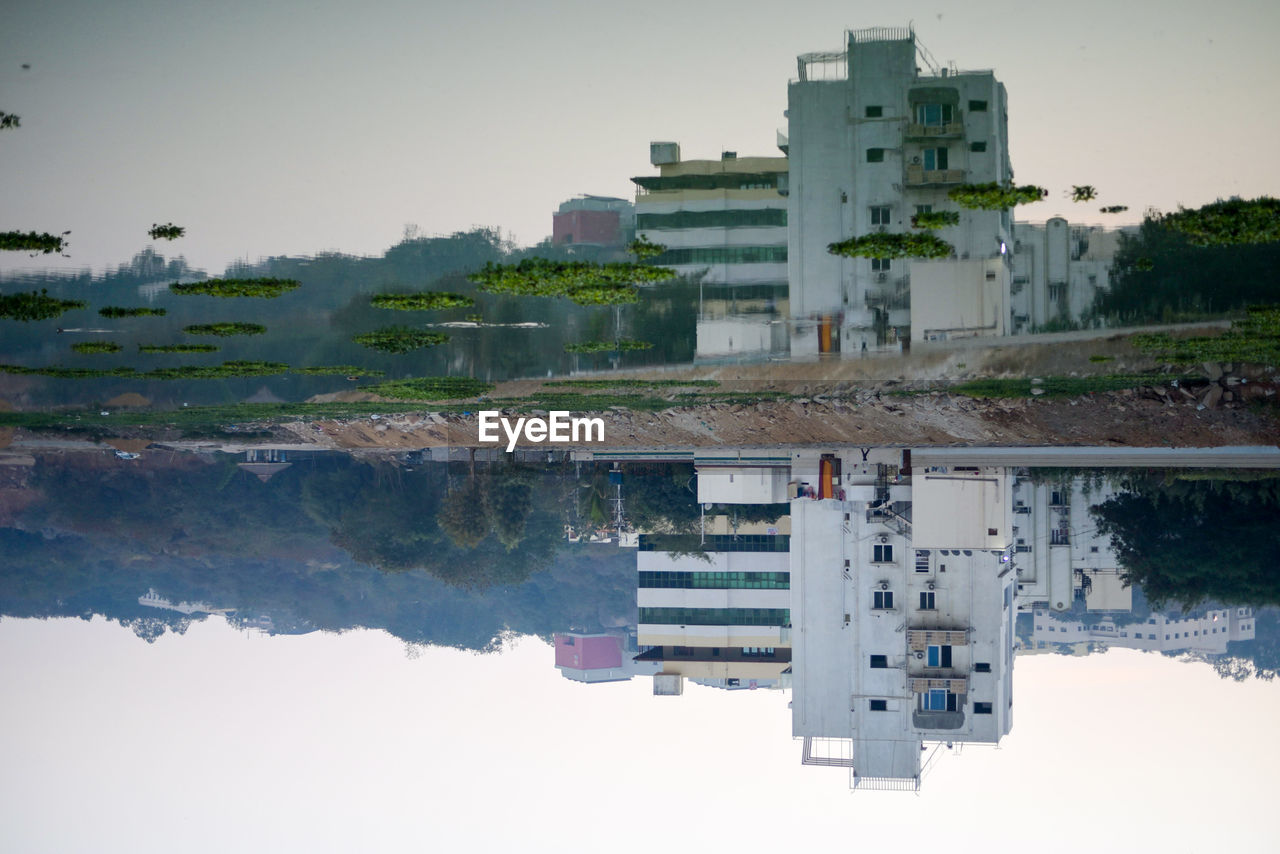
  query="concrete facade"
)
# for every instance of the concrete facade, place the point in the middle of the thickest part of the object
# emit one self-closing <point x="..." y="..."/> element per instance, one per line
<point x="1058" y="270"/>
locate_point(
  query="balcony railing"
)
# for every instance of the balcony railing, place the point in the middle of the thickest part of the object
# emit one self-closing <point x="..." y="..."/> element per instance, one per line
<point x="925" y="685"/>
<point x="918" y="176"/>
<point x="919" y="639"/>
<point x="950" y="130"/>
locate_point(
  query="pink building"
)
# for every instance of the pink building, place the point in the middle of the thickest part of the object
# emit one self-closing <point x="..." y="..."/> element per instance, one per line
<point x="596" y="220"/>
<point x="590" y="658"/>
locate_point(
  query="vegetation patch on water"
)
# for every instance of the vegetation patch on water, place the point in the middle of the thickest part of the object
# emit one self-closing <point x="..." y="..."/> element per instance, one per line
<point x="35" y="306"/>
<point x="426" y="301"/>
<point x="619" y="346"/>
<point x="995" y="197"/>
<point x="1228" y="223"/>
<point x="626" y="383"/>
<point x="583" y="282"/>
<point x="431" y="388"/>
<point x="400" y="339"/>
<point x="1254" y="339"/>
<point x="237" y="368"/>
<point x="177" y="348"/>
<point x="33" y="241"/>
<point x="225" y="330"/>
<point x="935" y="219"/>
<point x="97" y="347"/>
<point x="266" y="287"/>
<point x="336" y="370"/>
<point x="120" y="311"/>
<point x="884" y="245"/>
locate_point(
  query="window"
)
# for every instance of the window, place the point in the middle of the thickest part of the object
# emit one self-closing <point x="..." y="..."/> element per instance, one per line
<point x="1153" y="637"/>
<point x="878" y="705"/>
<point x="924" y="209"/>
<point x="882" y="600"/>
<point x="881" y="265"/>
<point x="927" y="601"/>
<point x="982" y="667"/>
<point x="982" y="708"/>
<point x="758" y="652"/>
<point x="882" y="554"/>
<point x="922" y="560"/>
<point x="879" y="662"/>
<point x="938" y="656"/>
<point x="935" y="158"/>
<point x="875" y="155"/>
<point x="977" y="146"/>
<point x="933" y="115"/>
<point x="938" y="700"/>
<point x="875" y="112"/>
<point x="879" y="214"/>
<point x="977" y="106"/>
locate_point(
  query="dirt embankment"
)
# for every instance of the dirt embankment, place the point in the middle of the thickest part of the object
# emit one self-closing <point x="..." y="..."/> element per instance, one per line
<point x="1139" y="418"/>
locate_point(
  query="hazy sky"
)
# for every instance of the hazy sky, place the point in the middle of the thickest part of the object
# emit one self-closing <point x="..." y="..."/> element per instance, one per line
<point x="292" y="127"/>
<point x="328" y="742"/>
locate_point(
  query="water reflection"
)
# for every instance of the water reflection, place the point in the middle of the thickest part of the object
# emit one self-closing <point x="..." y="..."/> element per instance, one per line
<point x="888" y="592"/>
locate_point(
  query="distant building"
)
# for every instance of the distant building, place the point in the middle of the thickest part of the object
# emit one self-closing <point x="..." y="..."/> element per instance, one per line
<point x="594" y="221"/>
<point x="723" y="219"/>
<point x="594" y="657"/>
<point x="1207" y="633"/>
<point x="1058" y="269"/>
<point x="878" y="132"/>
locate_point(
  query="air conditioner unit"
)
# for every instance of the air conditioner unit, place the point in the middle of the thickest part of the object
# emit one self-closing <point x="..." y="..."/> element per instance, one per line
<point x="919" y="655"/>
<point x="884" y="538"/>
<point x="884" y="585"/>
<point x="915" y="161"/>
<point x="930" y="585"/>
<point x="881" y="277"/>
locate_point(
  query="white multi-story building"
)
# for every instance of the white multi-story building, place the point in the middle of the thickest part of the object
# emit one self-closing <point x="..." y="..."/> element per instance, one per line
<point x="721" y="219"/>
<point x="902" y="612"/>
<point x="878" y="132"/>
<point x="1207" y="633"/>
<point x="1058" y="269"/>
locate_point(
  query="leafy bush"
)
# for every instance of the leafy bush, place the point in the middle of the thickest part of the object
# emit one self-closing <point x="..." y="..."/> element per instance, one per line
<point x="621" y="345"/>
<point x="584" y="282"/>
<point x="35" y="306"/>
<point x="118" y="311"/>
<point x="1228" y="223"/>
<point x="644" y="248"/>
<point x="935" y="219"/>
<point x="97" y="347"/>
<point x="224" y="330"/>
<point x="431" y="388"/>
<point x="169" y="231"/>
<point x="883" y="245"/>
<point x="266" y="288"/>
<point x="400" y="339"/>
<point x="995" y="197"/>
<point x="427" y="301"/>
<point x="31" y="241"/>
<point x="1254" y="339"/>
<point x="177" y="348"/>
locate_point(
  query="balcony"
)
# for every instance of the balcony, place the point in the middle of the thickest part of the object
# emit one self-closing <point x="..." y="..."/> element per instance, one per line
<point x="950" y="130"/>
<point x="919" y="639"/>
<point x="923" y="685"/>
<point x="918" y="176"/>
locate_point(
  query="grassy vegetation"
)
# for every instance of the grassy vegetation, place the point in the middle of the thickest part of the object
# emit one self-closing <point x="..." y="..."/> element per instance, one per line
<point x="620" y="345"/>
<point x="266" y="288"/>
<point x="1255" y="339"/>
<point x="995" y="197"/>
<point x="33" y="241"/>
<point x="119" y="311"/>
<point x="884" y="245"/>
<point x="35" y="306"/>
<point x="97" y="347"/>
<point x="431" y="388"/>
<point x="426" y="301"/>
<point x="177" y="348"/>
<point x="225" y="330"/>
<point x="1097" y="357"/>
<point x="400" y="339"/>
<point x="1058" y="386"/>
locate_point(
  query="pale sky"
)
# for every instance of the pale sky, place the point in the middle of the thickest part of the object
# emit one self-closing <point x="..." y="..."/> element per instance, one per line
<point x="292" y="127"/>
<point x="339" y="742"/>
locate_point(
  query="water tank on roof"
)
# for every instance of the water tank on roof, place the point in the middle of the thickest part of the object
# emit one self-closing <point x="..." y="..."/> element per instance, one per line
<point x="664" y="152"/>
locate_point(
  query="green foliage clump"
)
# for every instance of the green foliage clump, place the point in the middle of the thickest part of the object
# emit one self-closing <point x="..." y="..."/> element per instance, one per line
<point x="224" y="330"/>
<point x="995" y="197"/>
<point x="1097" y="357"/>
<point x="35" y="306"/>
<point x="265" y="287"/>
<point x="235" y="368"/>
<point x="1114" y="209"/>
<point x="1228" y="223"/>
<point x="336" y="370"/>
<point x="643" y="248"/>
<point x="400" y="339"/>
<point x="935" y="219"/>
<point x="884" y="245"/>
<point x="32" y="241"/>
<point x="118" y="311"/>
<point x="97" y="347"/>
<point x="620" y="345"/>
<point x="1254" y="339"/>
<point x="168" y="231"/>
<point x="9" y="120"/>
<point x="626" y="383"/>
<point x="584" y="282"/>
<point x="1055" y="386"/>
<point x="177" y="348"/>
<point x="427" y="301"/>
<point x="1083" y="193"/>
<point x="431" y="388"/>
